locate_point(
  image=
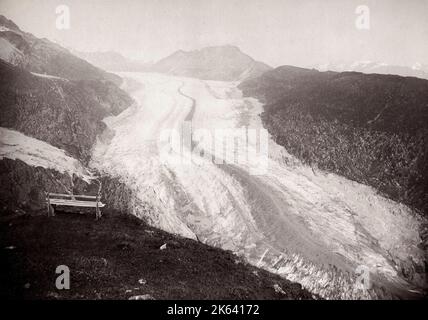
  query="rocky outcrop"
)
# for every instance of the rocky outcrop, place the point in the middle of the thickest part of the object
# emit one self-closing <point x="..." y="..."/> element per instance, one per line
<point x="116" y="195"/>
<point x="23" y="187"/>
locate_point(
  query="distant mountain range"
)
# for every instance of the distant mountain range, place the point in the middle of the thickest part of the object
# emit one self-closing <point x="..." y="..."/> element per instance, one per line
<point x="113" y="61"/>
<point x="227" y="63"/>
<point x="417" y="70"/>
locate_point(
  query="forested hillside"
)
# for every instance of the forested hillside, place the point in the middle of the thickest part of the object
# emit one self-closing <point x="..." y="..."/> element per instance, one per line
<point x="367" y="127"/>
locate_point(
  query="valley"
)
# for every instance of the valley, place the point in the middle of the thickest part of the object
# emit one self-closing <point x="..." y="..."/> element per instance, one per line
<point x="318" y="178"/>
<point x="307" y="225"/>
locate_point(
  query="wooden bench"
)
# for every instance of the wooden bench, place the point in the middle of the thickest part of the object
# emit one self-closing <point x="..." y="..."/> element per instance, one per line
<point x="73" y="200"/>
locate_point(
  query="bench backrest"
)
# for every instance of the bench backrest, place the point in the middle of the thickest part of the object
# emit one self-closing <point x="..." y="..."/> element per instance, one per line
<point x="76" y="200"/>
<point x="64" y="196"/>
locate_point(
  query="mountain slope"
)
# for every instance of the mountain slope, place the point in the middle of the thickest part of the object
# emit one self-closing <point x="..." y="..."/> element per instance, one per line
<point x="369" y="128"/>
<point x="24" y="50"/>
<point x="51" y="109"/>
<point x="67" y="114"/>
<point x="226" y="63"/>
<point x="52" y="95"/>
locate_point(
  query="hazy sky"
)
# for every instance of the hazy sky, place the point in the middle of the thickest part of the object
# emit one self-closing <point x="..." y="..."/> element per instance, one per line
<point x="296" y="32"/>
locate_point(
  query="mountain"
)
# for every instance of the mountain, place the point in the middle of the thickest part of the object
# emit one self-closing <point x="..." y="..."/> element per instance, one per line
<point x="370" y="128"/>
<point x="113" y="61"/>
<point x="65" y="113"/>
<point x="417" y="70"/>
<point x="49" y="94"/>
<point x="42" y="56"/>
<point x="52" y="106"/>
<point x="226" y="63"/>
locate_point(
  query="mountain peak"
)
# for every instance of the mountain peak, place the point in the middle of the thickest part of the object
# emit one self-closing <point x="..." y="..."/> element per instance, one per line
<point x="227" y="63"/>
<point x="40" y="55"/>
<point x="8" y="24"/>
<point x="226" y="47"/>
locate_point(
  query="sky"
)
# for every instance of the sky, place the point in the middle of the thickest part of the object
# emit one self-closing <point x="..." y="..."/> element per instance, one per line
<point x="277" y="32"/>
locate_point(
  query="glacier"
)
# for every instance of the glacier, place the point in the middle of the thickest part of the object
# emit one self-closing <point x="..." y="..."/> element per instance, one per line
<point x="336" y="237"/>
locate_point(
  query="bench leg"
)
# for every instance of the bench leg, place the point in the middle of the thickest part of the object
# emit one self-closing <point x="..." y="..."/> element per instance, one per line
<point x="51" y="211"/>
<point x="97" y="213"/>
<point x="97" y="209"/>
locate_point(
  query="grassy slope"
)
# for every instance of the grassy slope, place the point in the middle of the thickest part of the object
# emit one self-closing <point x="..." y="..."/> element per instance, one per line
<point x="108" y="257"/>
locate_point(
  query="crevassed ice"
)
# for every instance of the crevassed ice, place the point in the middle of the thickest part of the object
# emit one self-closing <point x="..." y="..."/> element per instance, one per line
<point x="309" y="226"/>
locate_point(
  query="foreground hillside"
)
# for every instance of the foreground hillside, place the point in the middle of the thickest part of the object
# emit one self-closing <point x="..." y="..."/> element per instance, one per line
<point x="119" y="257"/>
<point x="369" y="128"/>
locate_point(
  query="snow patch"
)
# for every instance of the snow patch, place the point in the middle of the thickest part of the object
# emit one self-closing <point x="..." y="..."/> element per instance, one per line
<point x="17" y="146"/>
<point x="47" y="76"/>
